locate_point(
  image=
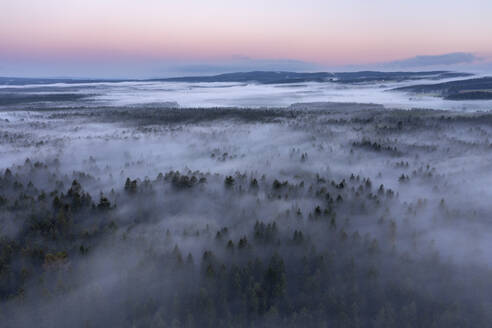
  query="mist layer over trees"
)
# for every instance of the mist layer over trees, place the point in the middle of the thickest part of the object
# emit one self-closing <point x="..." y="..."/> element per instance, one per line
<point x="321" y="217"/>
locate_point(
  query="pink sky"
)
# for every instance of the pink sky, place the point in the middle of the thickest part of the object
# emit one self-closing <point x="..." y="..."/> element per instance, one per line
<point x="320" y="31"/>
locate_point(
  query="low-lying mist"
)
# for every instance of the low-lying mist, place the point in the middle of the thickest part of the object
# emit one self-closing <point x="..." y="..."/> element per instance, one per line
<point x="160" y="94"/>
<point x="310" y="216"/>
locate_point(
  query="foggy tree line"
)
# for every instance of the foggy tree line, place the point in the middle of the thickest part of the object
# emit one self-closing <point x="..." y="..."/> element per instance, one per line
<point x="313" y="264"/>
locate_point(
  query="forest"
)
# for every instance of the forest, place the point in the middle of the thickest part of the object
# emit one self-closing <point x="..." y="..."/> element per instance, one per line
<point x="468" y="89"/>
<point x="309" y="216"/>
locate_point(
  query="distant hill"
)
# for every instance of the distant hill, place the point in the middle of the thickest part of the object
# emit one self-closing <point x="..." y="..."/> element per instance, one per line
<point x="267" y="77"/>
<point x="28" y="80"/>
<point x="263" y="77"/>
<point x="470" y="89"/>
<point x="257" y="76"/>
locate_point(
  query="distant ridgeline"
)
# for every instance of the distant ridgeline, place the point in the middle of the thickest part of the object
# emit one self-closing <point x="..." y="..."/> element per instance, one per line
<point x="471" y="89"/>
<point x="27" y="80"/>
<point x="264" y="77"/>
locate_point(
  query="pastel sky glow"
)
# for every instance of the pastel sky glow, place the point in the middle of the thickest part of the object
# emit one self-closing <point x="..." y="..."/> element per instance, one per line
<point x="324" y="32"/>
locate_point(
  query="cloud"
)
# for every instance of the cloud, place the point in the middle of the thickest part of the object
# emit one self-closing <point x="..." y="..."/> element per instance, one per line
<point x="242" y="63"/>
<point x="435" y="60"/>
<point x="142" y="67"/>
<point x="463" y="61"/>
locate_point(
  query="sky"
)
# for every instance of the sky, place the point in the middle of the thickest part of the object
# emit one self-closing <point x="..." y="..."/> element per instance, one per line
<point x="152" y="37"/>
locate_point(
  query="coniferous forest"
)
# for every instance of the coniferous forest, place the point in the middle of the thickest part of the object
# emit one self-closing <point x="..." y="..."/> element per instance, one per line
<point x="231" y="217"/>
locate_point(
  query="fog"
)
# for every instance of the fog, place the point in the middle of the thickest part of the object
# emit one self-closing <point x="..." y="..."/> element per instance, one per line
<point x="230" y="95"/>
<point x="120" y="209"/>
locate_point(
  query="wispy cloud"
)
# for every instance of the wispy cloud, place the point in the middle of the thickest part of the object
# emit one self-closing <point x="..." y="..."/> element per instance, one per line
<point x="148" y="67"/>
<point x="243" y="63"/>
<point x="460" y="61"/>
<point x="435" y="60"/>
